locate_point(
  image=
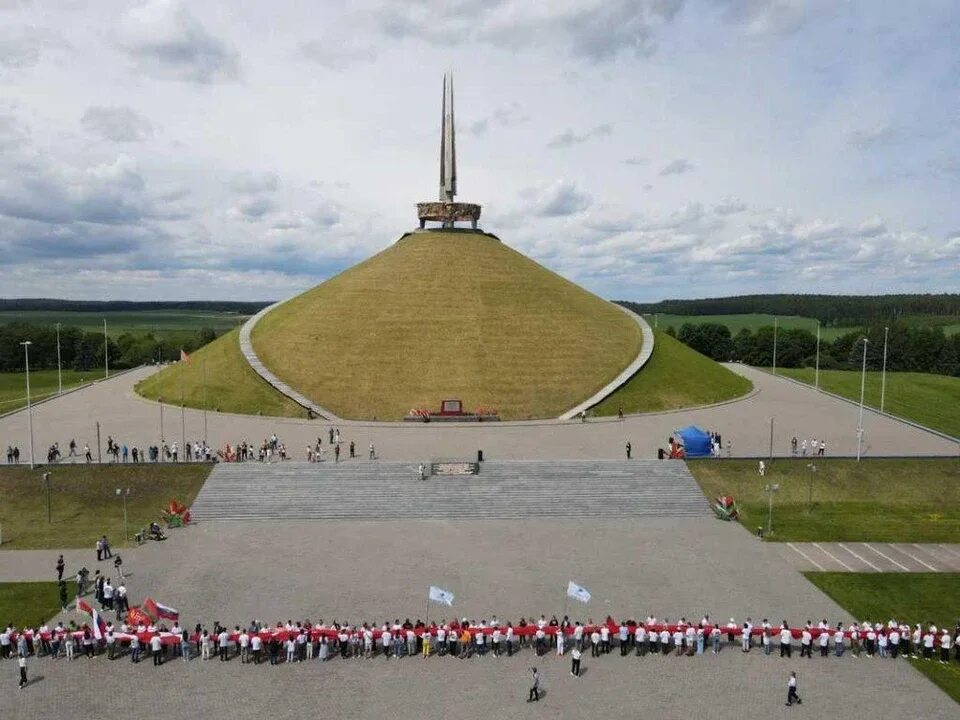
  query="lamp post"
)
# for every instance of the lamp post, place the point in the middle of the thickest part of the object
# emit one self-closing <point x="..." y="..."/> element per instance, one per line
<point x="775" y="346"/>
<point x="816" y="371"/>
<point x="770" y="490"/>
<point x="46" y="483"/>
<point x="26" y="363"/>
<point x="160" y="449"/>
<point x="813" y="473"/>
<point x="123" y="494"/>
<point x="863" y="380"/>
<point x="883" y="373"/>
<point x="106" y="351"/>
<point x="59" y="376"/>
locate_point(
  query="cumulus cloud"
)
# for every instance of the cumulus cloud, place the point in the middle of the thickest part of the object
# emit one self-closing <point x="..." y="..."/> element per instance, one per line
<point x="569" y="138"/>
<point x="761" y="18"/>
<point x="252" y="209"/>
<point x="636" y="160"/>
<point x="677" y="167"/>
<point x="506" y="116"/>
<point x="596" y="30"/>
<point x="117" y="123"/>
<point x="167" y="41"/>
<point x="249" y="183"/>
<point x="337" y="51"/>
<point x="729" y="206"/>
<point x="558" y="199"/>
<point x="22" y="46"/>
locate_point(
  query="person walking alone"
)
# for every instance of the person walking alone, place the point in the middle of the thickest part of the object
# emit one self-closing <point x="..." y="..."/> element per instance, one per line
<point x="575" y="654"/>
<point x="22" y="663"/>
<point x="629" y="448"/>
<point x="792" y="696"/>
<point x="535" y="689"/>
<point x="60" y="566"/>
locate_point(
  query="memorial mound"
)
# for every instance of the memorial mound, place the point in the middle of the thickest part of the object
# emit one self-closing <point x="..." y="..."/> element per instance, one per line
<point x="444" y="314"/>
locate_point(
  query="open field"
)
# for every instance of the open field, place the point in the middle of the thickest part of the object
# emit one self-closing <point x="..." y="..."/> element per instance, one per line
<point x="231" y="384"/>
<point x="931" y="400"/>
<point x="879" y="500"/>
<point x="919" y="597"/>
<point x="28" y="604"/>
<point x="447" y="315"/>
<point x="84" y="502"/>
<point x="43" y="384"/>
<point x="754" y="321"/>
<point x="158" y="322"/>
<point x="674" y="377"/>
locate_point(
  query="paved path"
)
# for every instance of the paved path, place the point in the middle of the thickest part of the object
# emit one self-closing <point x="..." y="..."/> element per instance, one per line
<point x="745" y="426"/>
<point x="871" y="557"/>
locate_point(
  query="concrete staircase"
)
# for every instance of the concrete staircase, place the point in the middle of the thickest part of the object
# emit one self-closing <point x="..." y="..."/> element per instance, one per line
<point x="363" y="490"/>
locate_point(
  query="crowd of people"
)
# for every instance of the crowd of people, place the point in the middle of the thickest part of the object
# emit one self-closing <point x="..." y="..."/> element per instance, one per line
<point x="303" y="641"/>
<point x="800" y="448"/>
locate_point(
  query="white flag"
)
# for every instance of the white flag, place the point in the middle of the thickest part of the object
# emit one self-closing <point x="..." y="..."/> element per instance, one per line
<point x="441" y="596"/>
<point x="578" y="593"/>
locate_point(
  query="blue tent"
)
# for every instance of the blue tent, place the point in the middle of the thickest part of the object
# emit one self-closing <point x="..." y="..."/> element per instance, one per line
<point x="696" y="443"/>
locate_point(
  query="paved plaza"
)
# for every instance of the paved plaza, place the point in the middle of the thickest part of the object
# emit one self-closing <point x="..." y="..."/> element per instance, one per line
<point x="356" y="571"/>
<point x="744" y="425"/>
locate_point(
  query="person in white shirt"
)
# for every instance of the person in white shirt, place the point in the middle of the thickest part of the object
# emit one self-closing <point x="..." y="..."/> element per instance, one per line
<point x="824" y="639"/>
<point x="640" y="640"/>
<point x="604" y="639"/>
<point x="806" y="640"/>
<point x="206" y="642"/>
<point x="496" y="639"/>
<point x="871" y="642"/>
<point x="882" y="643"/>
<point x="291" y="647"/>
<point x="594" y="643"/>
<point x="894" y="641"/>
<point x="156" y="649"/>
<point x="786" y="641"/>
<point x="578" y="636"/>
<point x="916" y="641"/>
<point x="244" y="640"/>
<point x="945" y="641"/>
<point x="928" y="641"/>
<point x="792" y="696"/>
<point x="385" y="639"/>
<point x="575" y="656"/>
<point x="256" y="645"/>
<point x="510" y="638"/>
<point x="838" y="645"/>
<point x="678" y="641"/>
<point x="715" y="636"/>
<point x="690" y="639"/>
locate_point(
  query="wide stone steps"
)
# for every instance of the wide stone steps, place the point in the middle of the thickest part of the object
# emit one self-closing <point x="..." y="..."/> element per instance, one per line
<point x="364" y="490"/>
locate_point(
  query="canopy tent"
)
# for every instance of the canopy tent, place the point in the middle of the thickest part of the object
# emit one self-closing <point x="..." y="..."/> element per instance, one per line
<point x="696" y="442"/>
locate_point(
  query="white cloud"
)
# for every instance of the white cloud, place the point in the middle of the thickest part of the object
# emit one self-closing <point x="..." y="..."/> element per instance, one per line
<point x="676" y="167"/>
<point x="167" y="41"/>
<point x="569" y="138"/>
<point x="119" y="124"/>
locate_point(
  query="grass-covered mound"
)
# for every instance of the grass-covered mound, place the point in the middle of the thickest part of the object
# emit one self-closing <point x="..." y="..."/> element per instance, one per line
<point x="447" y="315"/>
<point x="674" y="377"/>
<point x="232" y="385"/>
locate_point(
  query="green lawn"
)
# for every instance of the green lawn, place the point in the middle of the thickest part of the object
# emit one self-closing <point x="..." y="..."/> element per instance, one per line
<point x="753" y="321"/>
<point x="232" y="385"/>
<point x="28" y="604"/>
<point x="43" y="384"/>
<point x="908" y="597"/>
<point x="931" y="400"/>
<point x="674" y="377"/>
<point x="158" y="322"/>
<point x="876" y="500"/>
<point x="84" y="502"/>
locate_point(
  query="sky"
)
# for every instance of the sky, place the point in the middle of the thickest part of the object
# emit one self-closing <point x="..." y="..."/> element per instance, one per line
<point x="645" y="149"/>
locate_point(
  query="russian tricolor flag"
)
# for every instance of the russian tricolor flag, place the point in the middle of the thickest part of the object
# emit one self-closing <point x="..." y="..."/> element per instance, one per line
<point x="99" y="625"/>
<point x="158" y="610"/>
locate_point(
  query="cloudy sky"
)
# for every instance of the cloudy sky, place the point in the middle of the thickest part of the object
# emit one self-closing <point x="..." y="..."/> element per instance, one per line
<point x="647" y="149"/>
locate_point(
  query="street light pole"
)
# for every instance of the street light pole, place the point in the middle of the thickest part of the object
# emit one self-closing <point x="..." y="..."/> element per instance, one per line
<point x="203" y="366"/>
<point x="863" y="380"/>
<point x="26" y="363"/>
<point x="816" y="372"/>
<point x="126" y="531"/>
<point x="59" y="375"/>
<point x="883" y="374"/>
<point x="106" y="353"/>
<point x="46" y="482"/>
<point x="770" y="489"/>
<point x="160" y="449"/>
<point x="775" y="346"/>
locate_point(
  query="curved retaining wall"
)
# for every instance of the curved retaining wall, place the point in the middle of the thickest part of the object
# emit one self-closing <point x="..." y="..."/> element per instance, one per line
<point x="246" y="347"/>
<point x="646" y="350"/>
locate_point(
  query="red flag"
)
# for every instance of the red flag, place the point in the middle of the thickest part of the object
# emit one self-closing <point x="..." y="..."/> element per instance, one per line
<point x="135" y="616"/>
<point x="149" y="607"/>
<point x="184" y="357"/>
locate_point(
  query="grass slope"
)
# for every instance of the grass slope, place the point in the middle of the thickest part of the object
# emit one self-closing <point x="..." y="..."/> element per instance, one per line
<point x="877" y="500"/>
<point x="232" y="385"/>
<point x="910" y="597"/>
<point x="931" y="400"/>
<point x="674" y="377"/>
<point x="29" y="604"/>
<point x="447" y="315"/>
<point x="43" y="384"/>
<point x="84" y="504"/>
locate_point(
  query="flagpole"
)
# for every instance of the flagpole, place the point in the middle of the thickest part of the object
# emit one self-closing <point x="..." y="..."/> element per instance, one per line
<point x="203" y="365"/>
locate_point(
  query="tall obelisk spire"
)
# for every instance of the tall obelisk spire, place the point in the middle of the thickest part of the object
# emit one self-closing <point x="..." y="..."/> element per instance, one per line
<point x="448" y="149"/>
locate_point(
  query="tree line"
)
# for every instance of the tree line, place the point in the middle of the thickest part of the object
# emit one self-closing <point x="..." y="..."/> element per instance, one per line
<point x="25" y="304"/>
<point x="84" y="350"/>
<point x="830" y="310"/>
<point x="909" y="348"/>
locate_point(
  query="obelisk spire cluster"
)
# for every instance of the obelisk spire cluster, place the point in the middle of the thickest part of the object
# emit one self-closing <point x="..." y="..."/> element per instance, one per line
<point x="448" y="146"/>
<point x="446" y="211"/>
